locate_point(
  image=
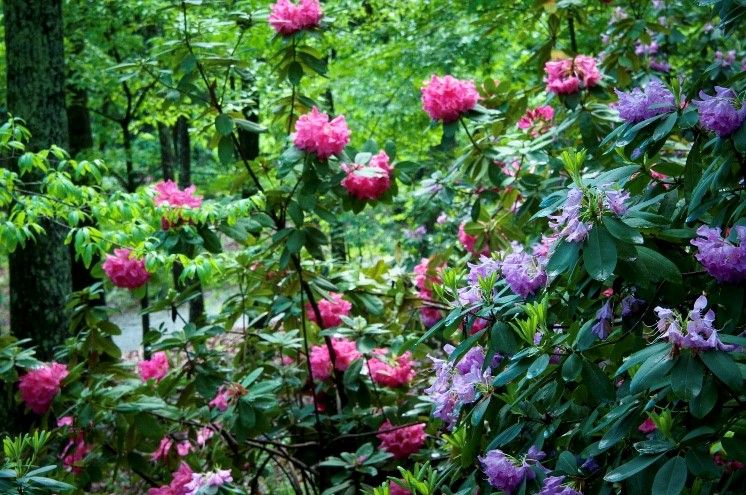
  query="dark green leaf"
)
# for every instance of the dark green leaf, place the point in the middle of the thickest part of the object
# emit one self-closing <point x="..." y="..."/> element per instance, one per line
<point x="599" y="254"/>
<point x="631" y="468"/>
<point x="724" y="368"/>
<point x="671" y="477"/>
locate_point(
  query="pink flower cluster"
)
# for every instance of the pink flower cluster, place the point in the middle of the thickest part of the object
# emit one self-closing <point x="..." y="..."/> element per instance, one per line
<point x="288" y="18"/>
<point x="39" y="386"/>
<point x="183" y="447"/>
<point x="181" y="478"/>
<point x="401" y="442"/>
<point x="567" y="76"/>
<point x="125" y="271"/>
<point x="470" y="242"/>
<point x="332" y="310"/>
<point x="537" y="121"/>
<point x="396" y="489"/>
<point x="345" y="352"/>
<point x="446" y="98"/>
<point x="74" y="453"/>
<point x="208" y="480"/>
<point x="368" y="182"/>
<point x="221" y="401"/>
<point x="394" y="375"/>
<point x="156" y="367"/>
<point x="315" y="133"/>
<point x="424" y="280"/>
<point x="168" y="193"/>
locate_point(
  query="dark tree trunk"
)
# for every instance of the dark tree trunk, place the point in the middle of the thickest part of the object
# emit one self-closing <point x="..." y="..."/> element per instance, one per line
<point x="40" y="278"/>
<point x="127" y="143"/>
<point x="79" y="121"/>
<point x="167" y="151"/>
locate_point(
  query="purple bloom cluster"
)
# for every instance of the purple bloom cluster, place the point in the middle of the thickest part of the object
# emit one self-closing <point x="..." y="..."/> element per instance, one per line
<point x="523" y="272"/>
<point x="631" y="305"/>
<point x="473" y="294"/>
<point x="640" y="104"/>
<point x="502" y="472"/>
<point x="605" y="316"/>
<point x="722" y="259"/>
<point x="553" y="486"/>
<point x="699" y="332"/>
<point x="719" y="113"/>
<point x="568" y="224"/>
<point x="456" y="385"/>
<point x="615" y="200"/>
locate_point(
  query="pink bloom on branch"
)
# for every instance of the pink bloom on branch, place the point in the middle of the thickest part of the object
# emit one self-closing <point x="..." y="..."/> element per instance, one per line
<point x="221" y="400"/>
<point x="391" y="375"/>
<point x="207" y="480"/>
<point x="74" y="453"/>
<point x="125" y="271"/>
<point x="332" y="310"/>
<point x="315" y="133"/>
<point x="288" y="18"/>
<point x="401" y="442"/>
<point x="446" y="98"/>
<point x="647" y="426"/>
<point x="169" y="194"/>
<point x="567" y="76"/>
<point x="345" y="352"/>
<point x="396" y="489"/>
<point x="538" y="120"/>
<point x="369" y="181"/>
<point x="161" y="453"/>
<point x="65" y="421"/>
<point x="181" y="477"/>
<point x="39" y="386"/>
<point x="155" y="367"/>
<point x="469" y="242"/>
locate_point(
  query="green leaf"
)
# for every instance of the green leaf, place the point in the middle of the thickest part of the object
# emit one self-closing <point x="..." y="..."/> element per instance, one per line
<point x="538" y="366"/>
<point x="567" y="463"/>
<point x="703" y="403"/>
<point x="665" y="127"/>
<point x="686" y="377"/>
<point x="658" y="266"/>
<point x="724" y="368"/>
<point x="670" y="478"/>
<point x="631" y="468"/>
<point x="225" y="150"/>
<point x="739" y="139"/>
<point x="224" y="124"/>
<point x="597" y="383"/>
<point x="599" y="254"/>
<point x="295" y="73"/>
<point x="564" y="257"/>
<point x="571" y="368"/>
<point x="622" y="231"/>
<point x="651" y="371"/>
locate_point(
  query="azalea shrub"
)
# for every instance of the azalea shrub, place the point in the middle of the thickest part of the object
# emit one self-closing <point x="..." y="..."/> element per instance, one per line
<point x="561" y="312"/>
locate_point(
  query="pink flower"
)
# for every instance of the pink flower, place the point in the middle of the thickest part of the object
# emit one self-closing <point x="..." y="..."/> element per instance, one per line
<point x="396" y="489"/>
<point x="169" y="194"/>
<point x="567" y="76"/>
<point x="332" y="310"/>
<point x="207" y="480"/>
<point x="314" y="133"/>
<point x="181" y="477"/>
<point x="287" y="18"/>
<point x="647" y="426"/>
<point x="39" y="386"/>
<point x="429" y="316"/>
<point x="221" y="400"/>
<point x="393" y="375"/>
<point x="65" y="421"/>
<point x="368" y="181"/>
<point x="538" y="120"/>
<point x="446" y="98"/>
<point x="184" y="447"/>
<point x="161" y="453"/>
<point x="401" y="442"/>
<point x="74" y="453"/>
<point x="479" y="324"/>
<point x="156" y="367"/>
<point x="125" y="271"/>
<point x="469" y="241"/>
<point x="345" y="352"/>
<point x="203" y="435"/>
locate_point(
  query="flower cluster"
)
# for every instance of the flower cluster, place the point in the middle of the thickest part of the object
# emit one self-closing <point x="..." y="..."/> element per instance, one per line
<point x="615" y="200"/>
<point x="537" y="121"/>
<point x="722" y="259"/>
<point x="553" y="485"/>
<point x="40" y="385"/>
<point x="396" y="489"/>
<point x="393" y="375"/>
<point x="221" y="401"/>
<point x="124" y="270"/>
<point x="180" y="479"/>
<point x="568" y="224"/>
<point x="720" y="113"/>
<point x="446" y="98"/>
<point x="74" y="453"/>
<point x="332" y="310"/>
<point x="315" y="133"/>
<point x="503" y="472"/>
<point x="209" y="480"/>
<point x="401" y="441"/>
<point x="183" y="447"/>
<point x="469" y="242"/>
<point x="604" y="317"/>
<point x="368" y="182"/>
<point x="345" y="352"/>
<point x="288" y="18"/>
<point x="424" y="279"/>
<point x="697" y="332"/>
<point x="641" y="104"/>
<point x="725" y="60"/>
<point x="524" y="273"/>
<point x="167" y="193"/>
<point x="567" y="76"/>
<point x="156" y="367"/>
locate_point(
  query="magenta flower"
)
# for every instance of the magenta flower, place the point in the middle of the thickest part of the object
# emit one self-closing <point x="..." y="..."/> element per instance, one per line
<point x="390" y="372"/>
<point x="124" y="270"/>
<point x="332" y="310"/>
<point x="722" y="259"/>
<point x="720" y="113"/>
<point x="288" y="18"/>
<point x="469" y="242"/>
<point x="169" y="194"/>
<point x="396" y="489"/>
<point x="156" y="367"/>
<point x="315" y="133"/>
<point x="401" y="442"/>
<point x="647" y="426"/>
<point x="345" y="352"/>
<point x="180" y="478"/>
<point x="538" y="120"/>
<point x="447" y="98"/>
<point x="74" y="453"/>
<point x="221" y="401"/>
<point x="568" y="76"/>
<point x="39" y="386"/>
<point x="368" y="182"/>
<point x="641" y="104"/>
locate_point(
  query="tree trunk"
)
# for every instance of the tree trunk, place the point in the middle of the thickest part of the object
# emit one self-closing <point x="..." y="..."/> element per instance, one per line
<point x="40" y="278"/>
<point x="167" y="151"/>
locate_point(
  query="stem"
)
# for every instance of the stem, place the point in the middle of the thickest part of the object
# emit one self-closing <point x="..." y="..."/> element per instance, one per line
<point x="571" y="28"/>
<point x="308" y="366"/>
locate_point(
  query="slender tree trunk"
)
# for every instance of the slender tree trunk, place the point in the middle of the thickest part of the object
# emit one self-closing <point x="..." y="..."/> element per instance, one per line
<point x="167" y="151"/>
<point x="40" y="277"/>
<point x="338" y="229"/>
<point x="127" y="143"/>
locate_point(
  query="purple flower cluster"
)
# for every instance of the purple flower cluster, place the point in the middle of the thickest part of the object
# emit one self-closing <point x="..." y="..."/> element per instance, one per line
<point x="472" y="294"/>
<point x="631" y="305"/>
<point x="456" y="385"/>
<point x="568" y="224"/>
<point x="641" y="104"/>
<point x="699" y="332"/>
<point x="523" y="272"/>
<point x="722" y="259"/>
<point x="605" y="316"/>
<point x="503" y="472"/>
<point x="553" y="486"/>
<point x="719" y="113"/>
<point x="615" y="200"/>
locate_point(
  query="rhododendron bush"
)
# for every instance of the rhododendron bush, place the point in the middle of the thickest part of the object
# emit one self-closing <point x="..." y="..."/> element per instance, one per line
<point x="523" y="272"/>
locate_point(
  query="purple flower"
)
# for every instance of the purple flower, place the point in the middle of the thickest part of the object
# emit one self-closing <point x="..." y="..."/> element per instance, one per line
<point x="486" y="267"/>
<point x="523" y="272"/>
<point x="469" y="295"/>
<point x="568" y="224"/>
<point x="699" y="332"/>
<point x="727" y="60"/>
<point x="643" y="49"/>
<point x="722" y="259"/>
<point x="631" y="305"/>
<point x="616" y="201"/>
<point x="502" y="473"/>
<point x="553" y="486"/>
<point x="590" y="465"/>
<point x="207" y="480"/>
<point x="660" y="65"/>
<point x="719" y="113"/>
<point x="605" y="315"/>
<point x="416" y="234"/>
<point x="638" y="105"/>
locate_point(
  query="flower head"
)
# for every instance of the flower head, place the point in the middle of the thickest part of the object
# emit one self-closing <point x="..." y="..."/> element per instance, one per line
<point x="125" y="271"/>
<point x="155" y="367"/>
<point x="394" y="375"/>
<point x="696" y="332"/>
<point x="168" y="193"/>
<point x="647" y="426"/>
<point x="396" y="489"/>
<point x="537" y="121"/>
<point x="368" y="182"/>
<point x="524" y="273"/>
<point x="180" y="478"/>
<point x="39" y="386"/>
<point x="446" y="98"/>
<point x="332" y="310"/>
<point x="567" y="76"/>
<point x="74" y="453"/>
<point x="345" y="352"/>
<point x="315" y="133"/>
<point x="502" y="472"/>
<point x="568" y="224"/>
<point x="469" y="242"/>
<point x="221" y="401"/>
<point x="641" y="104"/>
<point x="722" y="259"/>
<point x="604" y="317"/>
<point x="212" y="479"/>
<point x="720" y="113"/>
<point x="288" y="18"/>
<point x="401" y="442"/>
<point x="553" y="486"/>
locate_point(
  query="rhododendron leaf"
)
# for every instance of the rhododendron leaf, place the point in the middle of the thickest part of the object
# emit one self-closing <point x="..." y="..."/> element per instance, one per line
<point x="665" y="127"/>
<point x="506" y="436"/>
<point x="703" y="403"/>
<point x="670" y="478"/>
<point x="724" y="368"/>
<point x="567" y="463"/>
<point x="597" y="383"/>
<point x="687" y="376"/>
<point x="564" y="257"/>
<point x="478" y="412"/>
<point x="599" y="254"/>
<point x="226" y="153"/>
<point x="571" y="368"/>
<point x="658" y="266"/>
<point x="621" y="230"/>
<point x="513" y="371"/>
<point x="651" y="372"/>
<point x="631" y="468"/>
<point x="538" y="366"/>
<point x="224" y="124"/>
<point x="295" y="72"/>
<point x="654" y="446"/>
